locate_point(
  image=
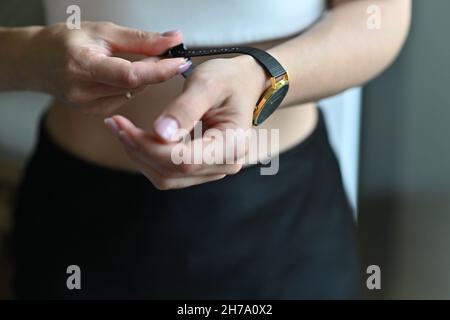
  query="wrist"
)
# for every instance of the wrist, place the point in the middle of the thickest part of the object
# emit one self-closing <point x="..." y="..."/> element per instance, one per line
<point x="274" y="92"/>
<point x="254" y="73"/>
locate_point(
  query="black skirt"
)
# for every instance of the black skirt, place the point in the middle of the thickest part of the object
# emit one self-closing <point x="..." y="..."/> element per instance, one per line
<point x="287" y="236"/>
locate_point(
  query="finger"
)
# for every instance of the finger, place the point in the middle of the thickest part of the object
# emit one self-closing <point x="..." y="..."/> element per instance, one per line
<point x="122" y="123"/>
<point x="143" y="142"/>
<point x="123" y="39"/>
<point x="207" y="156"/>
<point x="181" y="183"/>
<point x="170" y="167"/>
<point x="162" y="182"/>
<point x="138" y="150"/>
<point x="215" y="148"/>
<point x="138" y="156"/>
<point x="147" y="150"/>
<point x="223" y="169"/>
<point x="126" y="74"/>
<point x="153" y="173"/>
<point x="162" y="163"/>
<point x="187" y="109"/>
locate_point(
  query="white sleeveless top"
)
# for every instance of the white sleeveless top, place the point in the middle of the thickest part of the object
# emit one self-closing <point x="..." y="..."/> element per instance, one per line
<point x="203" y="22"/>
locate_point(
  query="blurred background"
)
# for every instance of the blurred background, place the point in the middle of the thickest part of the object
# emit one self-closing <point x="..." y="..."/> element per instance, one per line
<point x="404" y="197"/>
<point x="396" y="168"/>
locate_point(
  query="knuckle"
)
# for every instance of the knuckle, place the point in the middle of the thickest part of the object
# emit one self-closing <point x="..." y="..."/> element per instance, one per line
<point x="141" y="35"/>
<point x="76" y="63"/>
<point x="205" y="80"/>
<point x="130" y="78"/>
<point x="210" y="83"/>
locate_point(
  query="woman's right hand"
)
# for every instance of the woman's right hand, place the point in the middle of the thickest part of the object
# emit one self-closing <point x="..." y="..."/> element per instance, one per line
<point x="78" y="67"/>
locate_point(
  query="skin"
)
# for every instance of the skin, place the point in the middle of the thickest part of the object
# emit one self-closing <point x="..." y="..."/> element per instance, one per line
<point x="90" y="71"/>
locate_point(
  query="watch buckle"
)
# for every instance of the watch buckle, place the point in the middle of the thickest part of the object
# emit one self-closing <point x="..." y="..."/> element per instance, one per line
<point x="280" y="80"/>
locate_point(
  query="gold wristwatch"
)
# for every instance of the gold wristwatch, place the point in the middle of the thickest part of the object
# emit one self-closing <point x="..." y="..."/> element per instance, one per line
<point x="271" y="98"/>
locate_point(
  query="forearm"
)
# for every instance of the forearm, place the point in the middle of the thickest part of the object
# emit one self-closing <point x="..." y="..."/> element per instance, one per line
<point x="341" y="51"/>
<point x="14" y="67"/>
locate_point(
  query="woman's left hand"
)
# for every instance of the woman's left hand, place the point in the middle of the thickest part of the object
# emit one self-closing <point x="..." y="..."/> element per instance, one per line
<point x="222" y="94"/>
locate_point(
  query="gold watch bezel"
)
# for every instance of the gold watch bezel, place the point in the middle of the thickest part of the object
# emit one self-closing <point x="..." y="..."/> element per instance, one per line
<point x="276" y="85"/>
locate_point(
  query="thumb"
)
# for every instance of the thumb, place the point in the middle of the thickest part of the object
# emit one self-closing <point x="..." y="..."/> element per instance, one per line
<point x="183" y="114"/>
<point x="127" y="40"/>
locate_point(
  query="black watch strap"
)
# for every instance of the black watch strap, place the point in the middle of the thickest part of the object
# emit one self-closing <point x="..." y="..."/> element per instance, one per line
<point x="269" y="63"/>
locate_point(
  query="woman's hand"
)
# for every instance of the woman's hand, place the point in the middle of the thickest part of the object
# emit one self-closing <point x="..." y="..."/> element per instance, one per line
<point x="222" y="93"/>
<point x="79" y="68"/>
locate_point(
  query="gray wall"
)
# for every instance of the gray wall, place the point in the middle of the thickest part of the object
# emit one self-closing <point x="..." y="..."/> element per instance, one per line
<point x="405" y="163"/>
<point x="21" y="12"/>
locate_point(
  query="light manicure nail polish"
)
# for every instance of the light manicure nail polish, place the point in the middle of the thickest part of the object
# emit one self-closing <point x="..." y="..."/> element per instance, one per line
<point x="111" y="124"/>
<point x="171" y="33"/>
<point x="185" y="66"/>
<point x="166" y="127"/>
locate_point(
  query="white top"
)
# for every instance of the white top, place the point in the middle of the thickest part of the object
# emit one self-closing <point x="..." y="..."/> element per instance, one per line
<point x="203" y="22"/>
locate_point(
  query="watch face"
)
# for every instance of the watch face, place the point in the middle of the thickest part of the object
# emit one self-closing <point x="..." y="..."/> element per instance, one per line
<point x="272" y="103"/>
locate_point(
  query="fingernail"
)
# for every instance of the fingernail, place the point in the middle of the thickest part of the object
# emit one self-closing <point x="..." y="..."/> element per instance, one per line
<point x="111" y="124"/>
<point x="171" y="33"/>
<point x="185" y="66"/>
<point x="166" y="127"/>
<point x="125" y="138"/>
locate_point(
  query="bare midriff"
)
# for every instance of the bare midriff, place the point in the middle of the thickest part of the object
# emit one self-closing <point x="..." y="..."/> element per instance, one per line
<point x="87" y="137"/>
